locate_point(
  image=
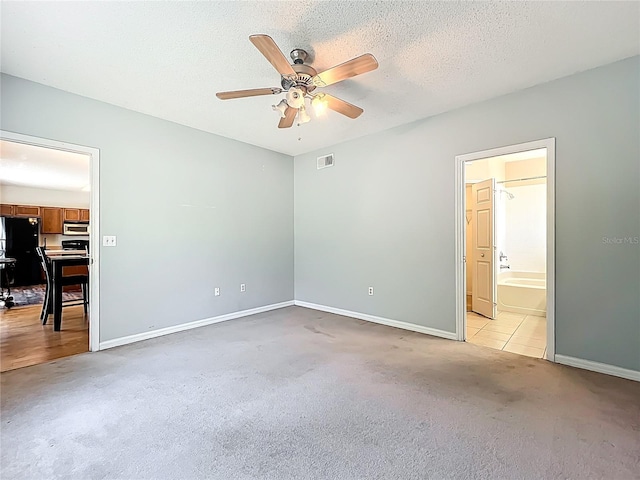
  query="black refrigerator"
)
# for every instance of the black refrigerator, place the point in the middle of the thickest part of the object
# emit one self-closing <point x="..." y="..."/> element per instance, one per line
<point x="20" y="242"/>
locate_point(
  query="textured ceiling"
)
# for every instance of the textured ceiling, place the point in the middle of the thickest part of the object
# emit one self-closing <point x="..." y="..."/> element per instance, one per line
<point x="39" y="167"/>
<point x="168" y="59"/>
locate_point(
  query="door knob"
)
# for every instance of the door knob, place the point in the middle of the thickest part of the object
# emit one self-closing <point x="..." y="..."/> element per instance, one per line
<point x="482" y="254"/>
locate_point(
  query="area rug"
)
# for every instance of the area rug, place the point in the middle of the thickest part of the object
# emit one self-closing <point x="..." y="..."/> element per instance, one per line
<point x="34" y="295"/>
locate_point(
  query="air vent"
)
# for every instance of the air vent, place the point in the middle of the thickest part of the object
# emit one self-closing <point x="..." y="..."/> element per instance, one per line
<point x="325" y="161"/>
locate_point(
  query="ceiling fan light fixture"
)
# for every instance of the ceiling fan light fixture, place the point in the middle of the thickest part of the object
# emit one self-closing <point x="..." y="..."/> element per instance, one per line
<point x="303" y="116"/>
<point x="281" y="107"/>
<point x="295" y="97"/>
<point x="319" y="104"/>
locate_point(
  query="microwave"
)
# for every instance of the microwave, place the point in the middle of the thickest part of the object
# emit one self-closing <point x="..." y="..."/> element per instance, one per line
<point x="75" y="228"/>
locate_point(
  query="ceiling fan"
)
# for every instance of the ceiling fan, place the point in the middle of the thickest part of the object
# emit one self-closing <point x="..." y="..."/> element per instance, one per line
<point x="300" y="82"/>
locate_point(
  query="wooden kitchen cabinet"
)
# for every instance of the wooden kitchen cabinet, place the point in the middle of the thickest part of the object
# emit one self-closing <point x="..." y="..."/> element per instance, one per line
<point x="71" y="214"/>
<point x="7" y="210"/>
<point x="27" y="211"/>
<point x="51" y="220"/>
<point x="52" y="217"/>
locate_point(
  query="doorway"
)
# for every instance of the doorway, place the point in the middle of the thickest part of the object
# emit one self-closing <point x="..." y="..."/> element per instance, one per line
<point x="505" y="263"/>
<point x="49" y="191"/>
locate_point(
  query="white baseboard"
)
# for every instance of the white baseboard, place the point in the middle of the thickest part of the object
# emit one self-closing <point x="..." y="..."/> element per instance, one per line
<point x="383" y="321"/>
<point x="188" y="326"/>
<point x="599" y="367"/>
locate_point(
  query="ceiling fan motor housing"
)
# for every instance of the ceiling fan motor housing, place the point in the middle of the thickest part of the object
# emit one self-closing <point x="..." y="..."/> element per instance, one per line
<point x="303" y="79"/>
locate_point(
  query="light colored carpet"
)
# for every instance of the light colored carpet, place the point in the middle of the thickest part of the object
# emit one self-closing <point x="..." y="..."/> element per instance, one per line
<point x="297" y="394"/>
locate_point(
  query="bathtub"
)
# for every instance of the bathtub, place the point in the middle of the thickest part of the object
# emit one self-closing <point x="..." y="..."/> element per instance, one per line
<point x="523" y="292"/>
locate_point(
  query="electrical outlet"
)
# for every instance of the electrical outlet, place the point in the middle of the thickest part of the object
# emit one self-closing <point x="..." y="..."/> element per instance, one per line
<point x="243" y="287"/>
<point x="216" y="291"/>
<point x="370" y="290"/>
<point x="109" y="241"/>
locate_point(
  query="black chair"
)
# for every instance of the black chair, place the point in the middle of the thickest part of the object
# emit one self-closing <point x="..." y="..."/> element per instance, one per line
<point x="47" y="305"/>
<point x="7" y="278"/>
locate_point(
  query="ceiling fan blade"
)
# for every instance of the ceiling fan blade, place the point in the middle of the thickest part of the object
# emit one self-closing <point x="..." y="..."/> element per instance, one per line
<point x="254" y="92"/>
<point x="270" y="50"/>
<point x="289" y="117"/>
<point x="356" y="66"/>
<point x="340" y="106"/>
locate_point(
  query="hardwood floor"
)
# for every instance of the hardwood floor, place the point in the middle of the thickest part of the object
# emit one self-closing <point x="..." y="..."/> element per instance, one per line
<point x="25" y="341"/>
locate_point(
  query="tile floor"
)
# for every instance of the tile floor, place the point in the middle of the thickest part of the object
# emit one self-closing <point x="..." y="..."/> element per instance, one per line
<point x="512" y="332"/>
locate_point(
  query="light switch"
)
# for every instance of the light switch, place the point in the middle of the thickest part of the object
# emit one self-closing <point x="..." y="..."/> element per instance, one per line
<point x="109" y="241"/>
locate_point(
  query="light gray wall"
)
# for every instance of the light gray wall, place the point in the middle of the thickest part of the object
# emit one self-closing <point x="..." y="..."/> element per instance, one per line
<point x="384" y="214"/>
<point x="191" y="210"/>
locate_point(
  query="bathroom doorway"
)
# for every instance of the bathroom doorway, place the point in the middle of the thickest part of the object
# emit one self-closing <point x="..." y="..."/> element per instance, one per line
<point x="505" y="248"/>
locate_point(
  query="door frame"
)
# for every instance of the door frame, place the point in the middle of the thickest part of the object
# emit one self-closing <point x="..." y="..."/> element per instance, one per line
<point x="94" y="214"/>
<point x="461" y="230"/>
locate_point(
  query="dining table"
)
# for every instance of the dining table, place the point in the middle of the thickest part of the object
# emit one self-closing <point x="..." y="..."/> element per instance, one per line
<point x="59" y="260"/>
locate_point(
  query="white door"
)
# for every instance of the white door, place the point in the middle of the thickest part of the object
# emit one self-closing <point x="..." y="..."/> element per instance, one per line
<point x="484" y="293"/>
<point x="469" y="243"/>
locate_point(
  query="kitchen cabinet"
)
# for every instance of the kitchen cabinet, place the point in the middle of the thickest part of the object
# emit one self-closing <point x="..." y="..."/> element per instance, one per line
<point x="7" y="210"/>
<point x="51" y="220"/>
<point x="27" y="211"/>
<point x="52" y="217"/>
<point x="19" y="210"/>
<point x="71" y="214"/>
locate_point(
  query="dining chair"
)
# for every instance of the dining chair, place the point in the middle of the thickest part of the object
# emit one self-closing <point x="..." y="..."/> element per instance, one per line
<point x="47" y="305"/>
<point x="7" y="278"/>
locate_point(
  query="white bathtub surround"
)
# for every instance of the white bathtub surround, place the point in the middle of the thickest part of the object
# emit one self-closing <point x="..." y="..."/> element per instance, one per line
<point x="525" y="232"/>
<point x="500" y="215"/>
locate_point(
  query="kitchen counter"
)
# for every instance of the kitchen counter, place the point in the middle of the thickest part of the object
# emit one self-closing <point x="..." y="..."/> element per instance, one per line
<point x="60" y="252"/>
